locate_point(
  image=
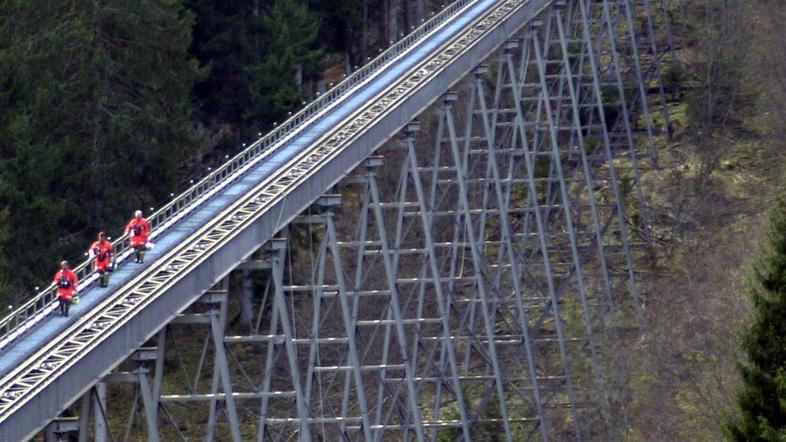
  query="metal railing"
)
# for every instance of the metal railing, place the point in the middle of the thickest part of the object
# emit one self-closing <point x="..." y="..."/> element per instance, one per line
<point x="43" y="303"/>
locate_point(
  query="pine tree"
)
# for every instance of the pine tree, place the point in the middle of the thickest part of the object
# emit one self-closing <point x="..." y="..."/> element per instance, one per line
<point x="226" y="40"/>
<point x="290" y="33"/>
<point x="340" y="23"/>
<point x="94" y="122"/>
<point x="762" y="396"/>
<point x="256" y="51"/>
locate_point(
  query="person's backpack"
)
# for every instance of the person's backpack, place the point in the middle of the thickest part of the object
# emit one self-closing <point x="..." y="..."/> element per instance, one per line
<point x="63" y="282"/>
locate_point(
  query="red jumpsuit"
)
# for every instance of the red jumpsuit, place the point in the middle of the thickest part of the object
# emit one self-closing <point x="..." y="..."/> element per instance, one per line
<point x="102" y="250"/>
<point x="65" y="281"/>
<point x="139" y="230"/>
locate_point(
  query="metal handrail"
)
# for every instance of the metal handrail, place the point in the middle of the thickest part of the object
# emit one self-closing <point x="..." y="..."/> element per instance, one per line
<point x="42" y="304"/>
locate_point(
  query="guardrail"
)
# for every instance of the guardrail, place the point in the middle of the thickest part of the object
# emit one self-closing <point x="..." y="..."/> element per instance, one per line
<point x="43" y="303"/>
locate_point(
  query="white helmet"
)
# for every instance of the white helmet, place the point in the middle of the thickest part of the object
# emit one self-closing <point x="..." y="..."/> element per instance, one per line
<point x="138" y="213"/>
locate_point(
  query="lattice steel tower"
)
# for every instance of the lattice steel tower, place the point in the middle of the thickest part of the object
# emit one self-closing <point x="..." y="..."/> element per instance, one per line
<point x="474" y="278"/>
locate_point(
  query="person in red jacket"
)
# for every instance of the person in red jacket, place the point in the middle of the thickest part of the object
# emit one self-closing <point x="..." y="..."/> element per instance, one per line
<point x="139" y="229"/>
<point x="65" y="281"/>
<point x="101" y="251"/>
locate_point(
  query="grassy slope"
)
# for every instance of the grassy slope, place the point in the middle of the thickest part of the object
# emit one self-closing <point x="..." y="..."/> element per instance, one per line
<point x="684" y="366"/>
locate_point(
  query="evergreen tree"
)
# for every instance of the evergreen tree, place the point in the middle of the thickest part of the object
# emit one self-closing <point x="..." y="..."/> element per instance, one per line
<point x="340" y="23"/>
<point x="762" y="396"/>
<point x="290" y="33"/>
<point x="226" y="40"/>
<point x="256" y="52"/>
<point x="94" y="122"/>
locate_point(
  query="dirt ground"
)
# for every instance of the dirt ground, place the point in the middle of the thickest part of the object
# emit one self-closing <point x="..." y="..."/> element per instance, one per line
<point x="709" y="232"/>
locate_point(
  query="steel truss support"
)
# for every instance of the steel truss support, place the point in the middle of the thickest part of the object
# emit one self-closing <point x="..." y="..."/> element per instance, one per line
<point x="579" y="100"/>
<point x="474" y="280"/>
<point x="143" y="402"/>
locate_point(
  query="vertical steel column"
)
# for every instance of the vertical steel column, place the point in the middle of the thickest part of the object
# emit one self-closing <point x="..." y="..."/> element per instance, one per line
<point x="504" y="217"/>
<point x="158" y="374"/>
<point x="100" y="422"/>
<point x="268" y="373"/>
<point x="149" y="404"/>
<point x="657" y="68"/>
<point x="634" y="46"/>
<point x="313" y="348"/>
<point x="578" y="133"/>
<point x="278" y="249"/>
<point x="478" y="264"/>
<point x="84" y="416"/>
<point x="567" y="211"/>
<point x="612" y="32"/>
<point x="410" y="170"/>
<point x="395" y="304"/>
<point x="217" y="326"/>
<point x="528" y="158"/>
<point x="362" y="269"/>
<point x="586" y="34"/>
<point x="442" y="304"/>
<point x="350" y="325"/>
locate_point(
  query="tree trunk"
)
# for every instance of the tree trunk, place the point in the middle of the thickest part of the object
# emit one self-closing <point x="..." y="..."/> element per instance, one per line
<point x="420" y="12"/>
<point x="364" y="31"/>
<point x="406" y="15"/>
<point x="392" y="21"/>
<point x="299" y="75"/>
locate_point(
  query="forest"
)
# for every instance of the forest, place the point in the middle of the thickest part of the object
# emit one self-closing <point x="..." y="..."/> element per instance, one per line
<point x="109" y="106"/>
